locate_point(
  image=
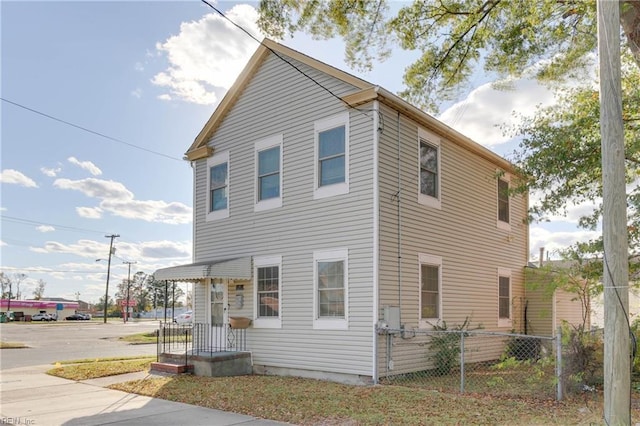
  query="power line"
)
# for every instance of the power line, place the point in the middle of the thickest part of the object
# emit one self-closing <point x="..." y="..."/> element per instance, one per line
<point x="93" y="132"/>
<point x="33" y="222"/>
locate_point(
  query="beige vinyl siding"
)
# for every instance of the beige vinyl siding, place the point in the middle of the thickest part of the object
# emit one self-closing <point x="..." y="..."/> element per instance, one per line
<point x="463" y="233"/>
<point x="569" y="308"/>
<point x="279" y="100"/>
<point x="540" y="313"/>
<point x="200" y="302"/>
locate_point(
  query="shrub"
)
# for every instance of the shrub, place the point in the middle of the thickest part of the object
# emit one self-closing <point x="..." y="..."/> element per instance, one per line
<point x="444" y="347"/>
<point x="583" y="358"/>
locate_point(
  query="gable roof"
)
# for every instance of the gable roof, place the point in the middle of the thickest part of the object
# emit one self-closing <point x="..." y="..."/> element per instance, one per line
<point x="199" y="148"/>
<point x="367" y="92"/>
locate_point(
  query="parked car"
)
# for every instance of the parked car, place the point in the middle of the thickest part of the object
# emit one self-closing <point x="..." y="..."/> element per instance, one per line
<point x="184" y="318"/>
<point x="41" y="317"/>
<point x="8" y="316"/>
<point x="53" y="317"/>
<point x="78" y="317"/>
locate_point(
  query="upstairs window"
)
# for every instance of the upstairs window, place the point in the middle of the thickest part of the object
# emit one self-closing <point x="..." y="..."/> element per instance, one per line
<point x="332" y="156"/>
<point x="428" y="169"/>
<point x="503" y="203"/>
<point x="218" y="195"/>
<point x="268" y="158"/>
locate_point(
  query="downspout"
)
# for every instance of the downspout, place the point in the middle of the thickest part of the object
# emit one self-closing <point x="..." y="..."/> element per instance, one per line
<point x="399" y="225"/>
<point x="376" y="239"/>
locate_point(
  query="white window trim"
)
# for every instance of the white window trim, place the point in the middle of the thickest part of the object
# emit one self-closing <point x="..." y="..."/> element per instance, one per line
<point x="500" y="224"/>
<point x="505" y="273"/>
<point x="427" y="200"/>
<point x="214" y="160"/>
<point x="260" y="262"/>
<point x="428" y="259"/>
<point x="331" y="323"/>
<point x="320" y="126"/>
<point x="270" y="203"/>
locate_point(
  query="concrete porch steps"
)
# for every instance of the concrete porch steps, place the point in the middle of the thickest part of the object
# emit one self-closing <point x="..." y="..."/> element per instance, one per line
<point x="171" y="368"/>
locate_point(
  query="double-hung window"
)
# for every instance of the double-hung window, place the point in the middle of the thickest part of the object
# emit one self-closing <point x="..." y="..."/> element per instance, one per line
<point x="331" y="289"/>
<point x="332" y="156"/>
<point x="504" y="297"/>
<point x="430" y="288"/>
<point x="267" y="291"/>
<point x="429" y="169"/>
<point x="268" y="159"/>
<point x="218" y="182"/>
<point x="503" y="202"/>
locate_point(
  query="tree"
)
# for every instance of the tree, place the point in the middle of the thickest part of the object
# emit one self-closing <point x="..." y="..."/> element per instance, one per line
<point x="156" y="293"/>
<point x="38" y="292"/>
<point x="455" y="37"/>
<point x="5" y="282"/>
<point x="18" y="278"/>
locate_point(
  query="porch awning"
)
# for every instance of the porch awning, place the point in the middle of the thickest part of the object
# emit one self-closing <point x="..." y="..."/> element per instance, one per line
<point x="239" y="268"/>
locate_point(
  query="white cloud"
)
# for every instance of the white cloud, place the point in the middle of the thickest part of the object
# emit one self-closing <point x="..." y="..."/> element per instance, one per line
<point x="119" y="201"/>
<point x="45" y="228"/>
<point x="51" y="172"/>
<point x="89" y="212"/>
<point x="138" y="66"/>
<point x="553" y="241"/>
<point x="481" y="113"/>
<point x="82" y="248"/>
<point x="144" y="252"/>
<point x="207" y="55"/>
<point x="17" y="178"/>
<point x="2" y="243"/>
<point x="86" y="165"/>
<point x="137" y="93"/>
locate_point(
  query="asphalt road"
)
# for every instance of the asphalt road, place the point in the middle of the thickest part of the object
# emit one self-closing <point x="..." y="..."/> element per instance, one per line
<point x="61" y="341"/>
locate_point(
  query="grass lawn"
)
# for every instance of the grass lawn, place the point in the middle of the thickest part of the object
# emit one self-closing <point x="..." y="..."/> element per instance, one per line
<point x="12" y="345"/>
<point x="309" y="402"/>
<point x="140" y="338"/>
<point x="90" y="369"/>
<point x="313" y="402"/>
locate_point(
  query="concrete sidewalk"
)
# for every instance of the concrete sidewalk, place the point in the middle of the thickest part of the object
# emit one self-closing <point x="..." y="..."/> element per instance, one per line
<point x="28" y="396"/>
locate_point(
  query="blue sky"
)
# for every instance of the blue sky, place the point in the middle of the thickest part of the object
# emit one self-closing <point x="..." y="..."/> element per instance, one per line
<point x="148" y="74"/>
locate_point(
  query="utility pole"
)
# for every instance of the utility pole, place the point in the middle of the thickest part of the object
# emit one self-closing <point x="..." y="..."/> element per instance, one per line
<point x="126" y="315"/>
<point x="106" y="293"/>
<point x="617" y="362"/>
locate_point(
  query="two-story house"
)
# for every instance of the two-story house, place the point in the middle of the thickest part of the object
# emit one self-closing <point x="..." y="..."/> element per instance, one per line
<point x="326" y="206"/>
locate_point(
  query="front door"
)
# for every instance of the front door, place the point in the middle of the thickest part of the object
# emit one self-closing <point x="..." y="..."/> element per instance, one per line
<point x="219" y="316"/>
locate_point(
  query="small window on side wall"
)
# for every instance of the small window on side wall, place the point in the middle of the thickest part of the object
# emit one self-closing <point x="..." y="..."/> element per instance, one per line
<point x="218" y="185"/>
<point x="430" y="297"/>
<point x="429" y="190"/>
<point x="331" y="156"/>
<point x="504" y="208"/>
<point x="504" y="298"/>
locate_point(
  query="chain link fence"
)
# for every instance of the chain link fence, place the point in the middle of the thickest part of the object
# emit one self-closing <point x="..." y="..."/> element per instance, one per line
<point x="497" y="364"/>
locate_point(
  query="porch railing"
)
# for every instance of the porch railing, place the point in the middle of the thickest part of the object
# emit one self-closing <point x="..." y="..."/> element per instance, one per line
<point x="202" y="339"/>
